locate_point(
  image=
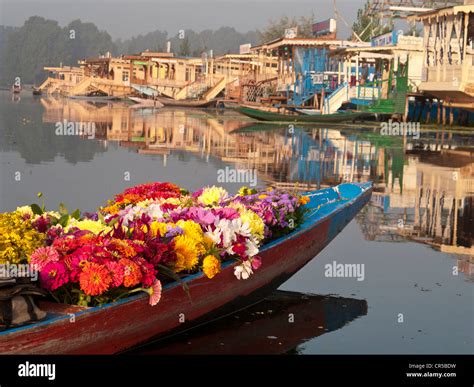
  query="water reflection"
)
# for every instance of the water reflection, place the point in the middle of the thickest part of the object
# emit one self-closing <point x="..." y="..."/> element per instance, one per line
<point x="424" y="186"/>
<point x="279" y="324"/>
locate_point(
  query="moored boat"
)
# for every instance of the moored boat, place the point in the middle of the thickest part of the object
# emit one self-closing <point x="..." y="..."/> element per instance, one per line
<point x="119" y="325"/>
<point x="146" y="102"/>
<point x="197" y="103"/>
<point x="301" y="118"/>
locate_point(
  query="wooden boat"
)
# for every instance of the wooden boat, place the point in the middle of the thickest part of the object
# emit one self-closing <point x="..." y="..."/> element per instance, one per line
<point x="247" y="331"/>
<point x="117" y="326"/>
<point x="301" y="118"/>
<point x="194" y="103"/>
<point x="95" y="98"/>
<point x="309" y="112"/>
<point x="146" y="102"/>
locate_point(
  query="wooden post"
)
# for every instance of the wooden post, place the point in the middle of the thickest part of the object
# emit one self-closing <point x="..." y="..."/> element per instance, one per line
<point x="451" y="116"/>
<point x="407" y="110"/>
<point x="322" y="101"/>
<point x="439" y="108"/>
<point x="428" y="113"/>
<point x="445" y="115"/>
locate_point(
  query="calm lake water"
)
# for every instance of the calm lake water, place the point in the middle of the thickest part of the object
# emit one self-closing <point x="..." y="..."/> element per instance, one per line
<point x="415" y="238"/>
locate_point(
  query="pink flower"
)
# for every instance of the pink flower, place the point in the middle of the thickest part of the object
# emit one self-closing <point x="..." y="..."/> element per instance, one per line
<point x="54" y="275"/>
<point x="117" y="272"/>
<point x="256" y="262"/>
<point x="155" y="292"/>
<point x="42" y="256"/>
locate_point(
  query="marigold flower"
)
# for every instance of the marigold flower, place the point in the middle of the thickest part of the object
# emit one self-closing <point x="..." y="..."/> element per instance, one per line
<point x="211" y="266"/>
<point x="304" y="200"/>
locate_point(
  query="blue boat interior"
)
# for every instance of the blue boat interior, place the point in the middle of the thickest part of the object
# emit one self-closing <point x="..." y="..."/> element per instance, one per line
<point x="324" y="203"/>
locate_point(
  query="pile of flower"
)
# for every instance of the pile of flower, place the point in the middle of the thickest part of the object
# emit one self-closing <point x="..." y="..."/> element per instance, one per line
<point x="148" y="234"/>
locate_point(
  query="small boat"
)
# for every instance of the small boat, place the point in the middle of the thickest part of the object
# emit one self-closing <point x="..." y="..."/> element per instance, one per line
<point x="36" y="91"/>
<point x="309" y="112"/>
<point x="194" y="103"/>
<point x="145" y="102"/>
<point x="117" y="326"/>
<point x="301" y="118"/>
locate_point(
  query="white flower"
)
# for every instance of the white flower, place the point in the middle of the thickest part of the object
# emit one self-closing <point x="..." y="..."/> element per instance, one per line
<point x="243" y="271"/>
<point x="252" y="247"/>
<point x="154" y="211"/>
<point x="215" y="235"/>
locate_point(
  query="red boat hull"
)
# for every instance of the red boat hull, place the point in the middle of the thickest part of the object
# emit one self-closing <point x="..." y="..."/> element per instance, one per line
<point x="116" y="327"/>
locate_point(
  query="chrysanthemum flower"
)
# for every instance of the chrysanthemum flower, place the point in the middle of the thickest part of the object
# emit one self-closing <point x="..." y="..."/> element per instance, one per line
<point x="211" y="266"/>
<point x="42" y="256"/>
<point x="212" y="195"/>
<point x="186" y="253"/>
<point x="94" y="279"/>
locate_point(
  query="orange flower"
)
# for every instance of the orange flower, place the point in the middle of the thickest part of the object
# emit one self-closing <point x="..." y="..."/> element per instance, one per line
<point x="94" y="279"/>
<point x="304" y="200"/>
<point x="132" y="274"/>
<point x="211" y="266"/>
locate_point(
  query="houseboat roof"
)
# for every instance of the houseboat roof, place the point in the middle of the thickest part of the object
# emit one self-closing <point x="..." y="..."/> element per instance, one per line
<point x="442" y="12"/>
<point x="307" y="42"/>
<point x="157" y="54"/>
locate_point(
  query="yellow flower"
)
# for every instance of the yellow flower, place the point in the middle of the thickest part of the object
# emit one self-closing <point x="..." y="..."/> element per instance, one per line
<point x="158" y="229"/>
<point x="262" y="196"/>
<point x="186" y="253"/>
<point x="24" y="210"/>
<point x="255" y="223"/>
<point x="211" y="266"/>
<point x="94" y="226"/>
<point x="212" y="195"/>
<point x="18" y="238"/>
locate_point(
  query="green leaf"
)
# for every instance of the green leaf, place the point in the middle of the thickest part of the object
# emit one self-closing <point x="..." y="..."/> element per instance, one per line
<point x="62" y="209"/>
<point x="36" y="209"/>
<point x="170" y="273"/>
<point x="64" y="220"/>
<point x="76" y="214"/>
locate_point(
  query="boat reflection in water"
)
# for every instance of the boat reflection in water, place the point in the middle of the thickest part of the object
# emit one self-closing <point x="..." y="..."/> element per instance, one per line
<point x="279" y="324"/>
<point x="424" y="187"/>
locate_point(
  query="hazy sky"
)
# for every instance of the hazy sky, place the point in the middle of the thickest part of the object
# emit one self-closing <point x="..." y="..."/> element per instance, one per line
<point x="128" y="18"/>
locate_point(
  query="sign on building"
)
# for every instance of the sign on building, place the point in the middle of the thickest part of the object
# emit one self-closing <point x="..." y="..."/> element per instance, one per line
<point x="291" y="33"/>
<point x="245" y="48"/>
<point x="324" y="27"/>
<point x="388" y="39"/>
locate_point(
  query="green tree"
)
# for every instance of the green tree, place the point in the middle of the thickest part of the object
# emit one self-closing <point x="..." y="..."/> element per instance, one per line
<point x="276" y="28"/>
<point x="367" y="26"/>
<point x="184" y="47"/>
